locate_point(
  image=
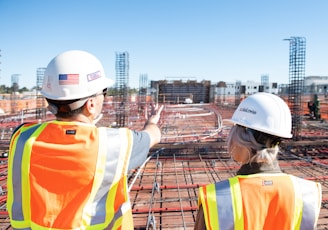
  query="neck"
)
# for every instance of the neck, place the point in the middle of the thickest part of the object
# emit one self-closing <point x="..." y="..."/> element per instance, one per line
<point x="79" y="118"/>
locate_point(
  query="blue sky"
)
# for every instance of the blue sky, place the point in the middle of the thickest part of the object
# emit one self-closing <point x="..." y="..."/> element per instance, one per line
<point x="212" y="40"/>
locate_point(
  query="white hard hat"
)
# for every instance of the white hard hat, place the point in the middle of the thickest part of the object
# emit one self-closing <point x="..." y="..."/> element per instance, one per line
<point x="74" y="74"/>
<point x="264" y="112"/>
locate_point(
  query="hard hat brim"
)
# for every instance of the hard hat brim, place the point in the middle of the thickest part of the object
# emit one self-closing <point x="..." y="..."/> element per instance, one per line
<point x="231" y="122"/>
<point x="228" y="122"/>
<point x="109" y="82"/>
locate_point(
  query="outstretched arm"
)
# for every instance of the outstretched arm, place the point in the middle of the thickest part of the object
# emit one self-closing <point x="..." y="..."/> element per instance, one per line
<point x="151" y="125"/>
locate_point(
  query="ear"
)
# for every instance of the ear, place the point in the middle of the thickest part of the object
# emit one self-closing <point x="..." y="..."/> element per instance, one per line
<point x="90" y="105"/>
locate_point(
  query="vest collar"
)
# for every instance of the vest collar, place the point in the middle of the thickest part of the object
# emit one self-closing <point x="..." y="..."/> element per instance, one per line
<point x="255" y="167"/>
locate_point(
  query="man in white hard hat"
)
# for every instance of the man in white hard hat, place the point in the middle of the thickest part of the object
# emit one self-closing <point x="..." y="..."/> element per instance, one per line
<point x="260" y="196"/>
<point x="68" y="173"/>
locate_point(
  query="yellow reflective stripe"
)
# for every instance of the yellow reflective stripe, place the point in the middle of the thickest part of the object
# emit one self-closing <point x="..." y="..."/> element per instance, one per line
<point x="122" y="168"/>
<point x="17" y="204"/>
<point x="213" y="211"/>
<point x="208" y="200"/>
<point x="110" y="207"/>
<point x="105" y="163"/>
<point x="125" y="136"/>
<point x="18" y="224"/>
<point x="200" y="195"/>
<point x="98" y="178"/>
<point x="10" y="194"/>
<point x="26" y="170"/>
<point x="39" y="227"/>
<point x="118" y="223"/>
<point x="23" y="164"/>
<point x="298" y="204"/>
<point x="126" y="168"/>
<point x="124" y="154"/>
<point x="237" y="203"/>
<point x="311" y="202"/>
<point x="115" y="158"/>
<point x="128" y="150"/>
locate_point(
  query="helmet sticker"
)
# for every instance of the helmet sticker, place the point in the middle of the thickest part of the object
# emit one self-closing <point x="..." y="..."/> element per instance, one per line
<point x="93" y="76"/>
<point x="247" y="110"/>
<point x="68" y="79"/>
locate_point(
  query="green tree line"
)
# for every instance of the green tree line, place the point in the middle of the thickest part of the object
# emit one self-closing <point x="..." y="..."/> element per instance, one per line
<point x="14" y="88"/>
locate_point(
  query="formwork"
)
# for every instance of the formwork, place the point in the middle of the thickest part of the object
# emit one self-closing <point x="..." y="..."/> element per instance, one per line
<point x="192" y="153"/>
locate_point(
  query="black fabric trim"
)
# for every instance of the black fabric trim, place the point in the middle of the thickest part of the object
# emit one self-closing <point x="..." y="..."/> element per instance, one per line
<point x="255" y="167"/>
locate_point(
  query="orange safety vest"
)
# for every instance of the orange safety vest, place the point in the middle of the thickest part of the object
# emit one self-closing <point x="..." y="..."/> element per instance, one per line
<point x="261" y="201"/>
<point x="64" y="175"/>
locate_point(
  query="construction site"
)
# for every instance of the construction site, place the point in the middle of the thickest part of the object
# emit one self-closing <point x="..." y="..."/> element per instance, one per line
<point x="193" y="151"/>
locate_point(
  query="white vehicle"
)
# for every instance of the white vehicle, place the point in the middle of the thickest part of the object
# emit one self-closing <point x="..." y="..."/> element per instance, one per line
<point x="188" y="101"/>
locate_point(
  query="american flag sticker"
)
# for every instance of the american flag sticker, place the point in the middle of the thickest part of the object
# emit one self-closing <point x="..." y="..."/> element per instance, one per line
<point x="94" y="76"/>
<point x="68" y="79"/>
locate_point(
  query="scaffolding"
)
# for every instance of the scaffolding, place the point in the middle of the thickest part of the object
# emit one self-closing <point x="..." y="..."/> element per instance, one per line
<point x="297" y="48"/>
<point x="122" y="88"/>
<point x="40" y="112"/>
<point x="143" y="85"/>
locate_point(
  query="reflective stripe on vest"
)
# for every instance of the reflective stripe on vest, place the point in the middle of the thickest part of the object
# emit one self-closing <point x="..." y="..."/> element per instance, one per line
<point x="16" y="204"/>
<point x="217" y="216"/>
<point x="309" y="203"/>
<point x="222" y="203"/>
<point x="101" y="207"/>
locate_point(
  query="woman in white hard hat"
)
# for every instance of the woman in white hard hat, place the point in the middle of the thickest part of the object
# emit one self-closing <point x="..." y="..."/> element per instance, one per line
<point x="68" y="173"/>
<point x="260" y="196"/>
